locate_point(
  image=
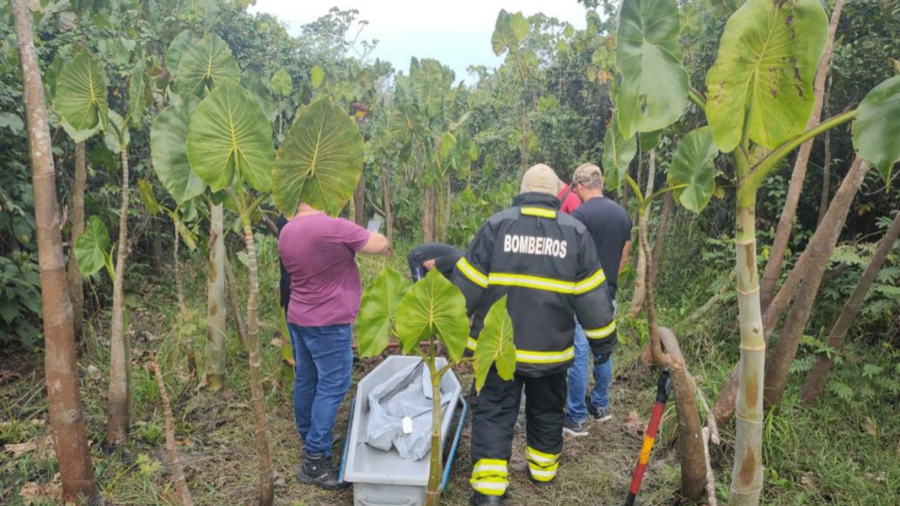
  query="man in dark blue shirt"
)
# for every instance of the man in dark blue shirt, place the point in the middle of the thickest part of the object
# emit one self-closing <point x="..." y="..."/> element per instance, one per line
<point x="610" y="226"/>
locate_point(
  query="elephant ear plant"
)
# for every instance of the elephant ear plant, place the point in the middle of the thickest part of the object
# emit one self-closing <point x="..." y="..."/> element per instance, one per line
<point x="432" y="312"/>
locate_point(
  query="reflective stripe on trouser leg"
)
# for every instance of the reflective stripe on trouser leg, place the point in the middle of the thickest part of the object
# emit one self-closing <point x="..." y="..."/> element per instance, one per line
<point x="545" y="398"/>
<point x="493" y="423"/>
<point x="490" y="477"/>
<point x="542" y="466"/>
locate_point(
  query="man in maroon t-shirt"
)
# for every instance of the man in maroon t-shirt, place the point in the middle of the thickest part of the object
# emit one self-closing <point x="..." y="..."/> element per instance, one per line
<point x="319" y="254"/>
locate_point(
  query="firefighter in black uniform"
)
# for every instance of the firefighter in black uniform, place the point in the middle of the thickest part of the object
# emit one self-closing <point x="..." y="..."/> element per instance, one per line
<point x="547" y="264"/>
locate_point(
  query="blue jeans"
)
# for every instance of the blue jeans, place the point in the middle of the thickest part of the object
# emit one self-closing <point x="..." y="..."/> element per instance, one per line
<point x="578" y="379"/>
<point x="321" y="379"/>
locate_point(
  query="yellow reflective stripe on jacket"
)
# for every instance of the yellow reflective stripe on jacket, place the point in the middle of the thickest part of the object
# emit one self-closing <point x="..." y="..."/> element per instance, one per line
<point x="600" y="333"/>
<point x="538" y="211"/>
<point x="590" y="283"/>
<point x="545" y="357"/>
<point x="535" y="282"/>
<point x="534" y="357"/>
<point x="472" y="273"/>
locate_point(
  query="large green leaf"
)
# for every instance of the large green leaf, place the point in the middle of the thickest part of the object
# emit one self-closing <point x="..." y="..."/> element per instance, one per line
<point x="495" y="345"/>
<point x="250" y="81"/>
<point x="137" y="94"/>
<point x="320" y="161"/>
<point x="281" y="83"/>
<point x="91" y="247"/>
<point x="148" y="198"/>
<point x="376" y="312"/>
<point x="169" y="149"/>
<point x="433" y="307"/>
<point x="653" y="84"/>
<point x="876" y="130"/>
<point x="317" y="76"/>
<point x="766" y="65"/>
<point x="404" y="124"/>
<point x="176" y="50"/>
<point x="504" y="37"/>
<point x="81" y="93"/>
<point x="229" y="135"/>
<point x="206" y="64"/>
<point x="617" y="155"/>
<point x="693" y="165"/>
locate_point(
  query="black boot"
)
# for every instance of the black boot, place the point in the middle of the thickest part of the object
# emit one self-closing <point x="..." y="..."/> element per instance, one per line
<point x="485" y="500"/>
<point x="316" y="470"/>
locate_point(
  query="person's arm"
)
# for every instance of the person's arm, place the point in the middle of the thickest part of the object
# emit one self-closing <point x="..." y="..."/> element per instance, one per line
<point x="593" y="304"/>
<point x="626" y="250"/>
<point x="376" y="245"/>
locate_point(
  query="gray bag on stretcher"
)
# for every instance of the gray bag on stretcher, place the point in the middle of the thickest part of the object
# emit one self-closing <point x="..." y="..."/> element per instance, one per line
<point x="387" y="464"/>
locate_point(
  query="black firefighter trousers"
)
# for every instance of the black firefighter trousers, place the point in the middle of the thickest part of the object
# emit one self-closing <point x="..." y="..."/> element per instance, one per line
<point x="493" y="424"/>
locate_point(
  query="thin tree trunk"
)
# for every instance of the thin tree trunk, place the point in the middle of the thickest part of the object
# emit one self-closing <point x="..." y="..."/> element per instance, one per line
<point x="266" y="477"/>
<point x="640" y="289"/>
<point x="786" y="223"/>
<point x="216" y="310"/>
<point x="427" y="215"/>
<point x="184" y="494"/>
<point x="359" y="201"/>
<point x="182" y="307"/>
<point x="76" y="282"/>
<point x="119" y="408"/>
<point x="659" y="241"/>
<point x="60" y="359"/>
<point x="815" y="384"/>
<point x="690" y="432"/>
<point x="435" y="471"/>
<point x="725" y="403"/>
<point x="826" y="179"/>
<point x="388" y="212"/>
<point x="523" y="142"/>
<point x="156" y="255"/>
<point x="819" y="250"/>
<point x="448" y="199"/>
<point x="232" y="294"/>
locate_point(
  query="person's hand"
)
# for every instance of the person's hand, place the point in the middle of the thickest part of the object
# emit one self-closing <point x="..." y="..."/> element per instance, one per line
<point x="429" y="264"/>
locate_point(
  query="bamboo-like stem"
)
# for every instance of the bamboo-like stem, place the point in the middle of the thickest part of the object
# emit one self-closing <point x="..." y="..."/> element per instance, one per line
<point x="266" y="474"/>
<point x="184" y="494"/>
<point x="60" y="362"/>
<point x="640" y="284"/>
<point x="216" y="310"/>
<point x="747" y="476"/>
<point x="119" y="409"/>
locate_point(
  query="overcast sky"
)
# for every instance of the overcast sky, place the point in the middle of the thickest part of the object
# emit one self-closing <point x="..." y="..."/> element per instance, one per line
<point x="456" y="32"/>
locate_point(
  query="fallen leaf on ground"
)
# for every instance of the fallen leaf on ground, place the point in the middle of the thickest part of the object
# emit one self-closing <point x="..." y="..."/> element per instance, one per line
<point x="277" y="342"/>
<point x="33" y="493"/>
<point x="20" y="449"/>
<point x="633" y="425"/>
<point x="93" y="373"/>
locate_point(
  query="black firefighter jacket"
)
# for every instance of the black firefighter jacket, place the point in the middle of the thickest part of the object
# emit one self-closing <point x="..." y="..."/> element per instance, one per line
<point x="547" y="264"/>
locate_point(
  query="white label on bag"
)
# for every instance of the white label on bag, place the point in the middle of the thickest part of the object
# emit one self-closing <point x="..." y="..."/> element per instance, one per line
<point x="407" y="425"/>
